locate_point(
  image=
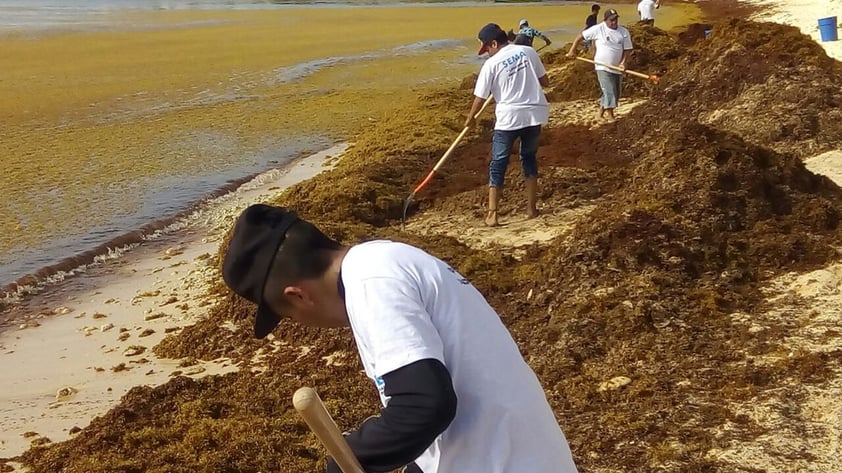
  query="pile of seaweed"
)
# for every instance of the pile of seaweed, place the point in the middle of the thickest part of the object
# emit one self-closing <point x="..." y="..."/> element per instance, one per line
<point x="768" y="83"/>
<point x="631" y="324"/>
<point x="651" y="289"/>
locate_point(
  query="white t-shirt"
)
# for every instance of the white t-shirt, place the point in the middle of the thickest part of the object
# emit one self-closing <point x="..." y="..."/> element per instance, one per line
<point x="646" y="9"/>
<point x="405" y="305"/>
<point x="610" y="44"/>
<point x="511" y="76"/>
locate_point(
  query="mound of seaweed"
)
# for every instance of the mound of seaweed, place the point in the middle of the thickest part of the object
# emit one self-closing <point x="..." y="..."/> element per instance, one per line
<point x="653" y="50"/>
<point x="768" y="83"/>
<point x="649" y="292"/>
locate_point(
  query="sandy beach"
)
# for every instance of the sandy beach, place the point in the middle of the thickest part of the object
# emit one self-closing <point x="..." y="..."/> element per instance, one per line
<point x="688" y="358"/>
<point x="89" y="340"/>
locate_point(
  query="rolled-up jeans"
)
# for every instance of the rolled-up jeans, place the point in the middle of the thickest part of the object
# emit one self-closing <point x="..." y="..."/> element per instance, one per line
<point x="610" y="85"/>
<point x="501" y="148"/>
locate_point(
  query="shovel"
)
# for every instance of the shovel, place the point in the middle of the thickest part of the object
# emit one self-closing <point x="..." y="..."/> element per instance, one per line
<point x="652" y="78"/>
<point x="441" y="160"/>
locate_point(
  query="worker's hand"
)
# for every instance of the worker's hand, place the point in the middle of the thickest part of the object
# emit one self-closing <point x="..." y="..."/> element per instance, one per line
<point x="622" y="67"/>
<point x="470" y="122"/>
<point x="549" y="42"/>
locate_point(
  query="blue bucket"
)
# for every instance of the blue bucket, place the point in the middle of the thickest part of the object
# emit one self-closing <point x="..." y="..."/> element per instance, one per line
<point x="827" y="28"/>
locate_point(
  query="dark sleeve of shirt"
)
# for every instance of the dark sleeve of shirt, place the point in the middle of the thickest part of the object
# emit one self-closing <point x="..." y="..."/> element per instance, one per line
<point x="422" y="405"/>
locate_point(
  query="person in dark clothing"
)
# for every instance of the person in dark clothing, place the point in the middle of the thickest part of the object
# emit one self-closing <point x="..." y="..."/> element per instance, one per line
<point x="591" y="20"/>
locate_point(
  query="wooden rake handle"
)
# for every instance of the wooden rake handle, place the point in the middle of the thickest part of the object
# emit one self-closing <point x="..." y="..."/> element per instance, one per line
<point x="449" y="150"/>
<point x="654" y="79"/>
<point x="311" y="408"/>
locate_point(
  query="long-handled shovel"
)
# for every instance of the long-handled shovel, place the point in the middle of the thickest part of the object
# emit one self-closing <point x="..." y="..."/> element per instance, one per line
<point x="441" y="160"/>
<point x="654" y="79"/>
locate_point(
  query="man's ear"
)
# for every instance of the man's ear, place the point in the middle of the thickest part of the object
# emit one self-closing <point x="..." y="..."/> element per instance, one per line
<point x="296" y="296"/>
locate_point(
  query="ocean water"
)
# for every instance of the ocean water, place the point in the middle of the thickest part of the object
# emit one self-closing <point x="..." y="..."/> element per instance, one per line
<point x="110" y="136"/>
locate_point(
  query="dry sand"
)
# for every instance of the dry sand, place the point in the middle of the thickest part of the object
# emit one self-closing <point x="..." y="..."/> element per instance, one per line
<point x="75" y="347"/>
<point x="803" y="14"/>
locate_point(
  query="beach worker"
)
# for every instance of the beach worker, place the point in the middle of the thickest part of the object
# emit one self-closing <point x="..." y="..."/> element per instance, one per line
<point x="613" y="47"/>
<point x="514" y="75"/>
<point x="457" y="395"/>
<point x="526" y="34"/>
<point x="591" y="20"/>
<point x="646" y="11"/>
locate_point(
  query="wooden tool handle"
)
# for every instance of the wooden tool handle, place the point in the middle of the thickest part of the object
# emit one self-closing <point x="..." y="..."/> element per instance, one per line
<point x="311" y="408"/>
<point x="634" y="73"/>
<point x="459" y="137"/>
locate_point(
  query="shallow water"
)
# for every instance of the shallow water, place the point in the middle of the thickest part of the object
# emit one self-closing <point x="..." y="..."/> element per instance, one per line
<point x="142" y="108"/>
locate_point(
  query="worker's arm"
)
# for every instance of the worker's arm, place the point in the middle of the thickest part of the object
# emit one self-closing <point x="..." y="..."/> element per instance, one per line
<point x="544" y="81"/>
<point x="626" y="54"/>
<point x="422" y="404"/>
<point x="576" y="42"/>
<point x="475" y="107"/>
<point x="546" y="40"/>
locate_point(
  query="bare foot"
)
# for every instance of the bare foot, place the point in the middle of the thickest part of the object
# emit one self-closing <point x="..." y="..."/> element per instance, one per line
<point x="491" y="218"/>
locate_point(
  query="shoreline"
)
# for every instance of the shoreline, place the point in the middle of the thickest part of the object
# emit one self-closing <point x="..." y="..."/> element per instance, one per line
<point x="110" y="318"/>
<point x="45" y="277"/>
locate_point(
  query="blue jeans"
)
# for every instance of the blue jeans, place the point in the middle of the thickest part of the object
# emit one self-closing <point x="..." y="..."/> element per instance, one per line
<point x="610" y="85"/>
<point x="501" y="148"/>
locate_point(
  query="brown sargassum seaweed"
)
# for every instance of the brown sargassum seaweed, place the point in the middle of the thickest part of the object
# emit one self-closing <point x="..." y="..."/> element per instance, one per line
<point x="701" y="197"/>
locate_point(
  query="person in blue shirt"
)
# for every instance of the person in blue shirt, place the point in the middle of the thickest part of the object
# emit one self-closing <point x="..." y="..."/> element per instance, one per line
<point x="526" y="34"/>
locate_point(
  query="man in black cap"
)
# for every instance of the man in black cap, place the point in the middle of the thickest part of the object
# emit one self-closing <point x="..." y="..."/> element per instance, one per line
<point x="514" y="75"/>
<point x="457" y="395"/>
<point x="613" y="47"/>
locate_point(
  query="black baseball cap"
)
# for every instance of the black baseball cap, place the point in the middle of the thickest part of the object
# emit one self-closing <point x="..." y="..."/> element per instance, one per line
<point x="258" y="234"/>
<point x="489" y="33"/>
<point x="610" y="13"/>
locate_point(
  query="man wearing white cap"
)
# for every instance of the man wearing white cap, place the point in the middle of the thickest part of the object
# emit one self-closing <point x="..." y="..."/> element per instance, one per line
<point x="526" y="34"/>
<point x="613" y="48"/>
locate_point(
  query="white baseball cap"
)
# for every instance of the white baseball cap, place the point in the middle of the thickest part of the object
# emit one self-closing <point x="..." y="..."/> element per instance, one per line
<point x="523" y="22"/>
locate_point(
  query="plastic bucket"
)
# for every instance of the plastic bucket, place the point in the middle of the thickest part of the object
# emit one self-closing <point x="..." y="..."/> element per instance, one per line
<point x="827" y="28"/>
<point x="707" y="33"/>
